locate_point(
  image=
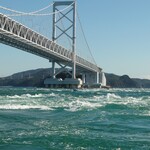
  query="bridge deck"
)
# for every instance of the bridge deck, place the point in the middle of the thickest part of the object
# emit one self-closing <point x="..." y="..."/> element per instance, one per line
<point x="17" y="35"/>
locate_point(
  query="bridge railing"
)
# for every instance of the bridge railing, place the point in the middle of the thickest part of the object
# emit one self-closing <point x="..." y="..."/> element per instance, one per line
<point x="11" y="26"/>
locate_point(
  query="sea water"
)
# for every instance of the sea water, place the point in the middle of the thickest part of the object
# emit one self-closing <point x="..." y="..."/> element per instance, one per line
<point x="92" y="119"/>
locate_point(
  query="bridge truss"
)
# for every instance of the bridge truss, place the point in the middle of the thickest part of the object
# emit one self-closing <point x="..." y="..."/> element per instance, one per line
<point x="18" y="35"/>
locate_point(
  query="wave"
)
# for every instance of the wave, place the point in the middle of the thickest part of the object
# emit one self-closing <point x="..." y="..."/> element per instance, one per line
<point x="73" y="101"/>
<point x="112" y="95"/>
<point x="25" y="96"/>
<point x="23" y="107"/>
<point x="28" y="96"/>
<point x="73" y="106"/>
<point x="78" y="105"/>
<point x="52" y="94"/>
<point x="13" y="97"/>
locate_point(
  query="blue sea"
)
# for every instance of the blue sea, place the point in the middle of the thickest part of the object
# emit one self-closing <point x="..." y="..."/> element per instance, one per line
<point x="63" y="119"/>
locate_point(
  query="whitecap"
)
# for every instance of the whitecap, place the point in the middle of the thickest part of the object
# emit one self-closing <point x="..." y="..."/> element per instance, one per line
<point x="112" y="95"/>
<point x="13" y="97"/>
<point x="98" y="97"/>
<point x="146" y="113"/>
<point x="78" y="105"/>
<point x="24" y="96"/>
<point x="23" y="107"/>
<point x="32" y="96"/>
<point x="52" y="94"/>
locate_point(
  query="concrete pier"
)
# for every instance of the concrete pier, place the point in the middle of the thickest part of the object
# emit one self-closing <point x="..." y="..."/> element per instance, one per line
<point x="67" y="83"/>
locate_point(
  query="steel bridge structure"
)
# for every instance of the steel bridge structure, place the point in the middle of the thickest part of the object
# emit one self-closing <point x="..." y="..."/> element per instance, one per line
<point x="17" y="35"/>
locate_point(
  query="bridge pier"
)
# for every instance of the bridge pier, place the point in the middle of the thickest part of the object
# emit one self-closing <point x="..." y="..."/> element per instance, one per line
<point x="92" y="79"/>
<point x="53" y="82"/>
<point x="53" y="69"/>
<point x="15" y="34"/>
<point x="83" y="78"/>
<point x="98" y="78"/>
<point x="66" y="83"/>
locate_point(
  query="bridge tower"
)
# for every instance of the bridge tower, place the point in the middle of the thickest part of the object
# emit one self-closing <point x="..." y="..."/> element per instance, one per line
<point x="19" y="36"/>
<point x="70" y="15"/>
<point x="58" y="31"/>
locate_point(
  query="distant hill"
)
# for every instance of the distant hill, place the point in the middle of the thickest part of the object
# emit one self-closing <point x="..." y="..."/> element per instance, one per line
<point x="143" y="83"/>
<point x="31" y="78"/>
<point x="35" y="78"/>
<point x="121" y="81"/>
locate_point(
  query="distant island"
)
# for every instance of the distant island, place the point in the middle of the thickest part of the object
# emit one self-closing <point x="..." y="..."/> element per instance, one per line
<point x="35" y="78"/>
<point x="125" y="81"/>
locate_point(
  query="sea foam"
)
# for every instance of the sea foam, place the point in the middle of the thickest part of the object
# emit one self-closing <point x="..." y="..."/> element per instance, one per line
<point x="15" y="107"/>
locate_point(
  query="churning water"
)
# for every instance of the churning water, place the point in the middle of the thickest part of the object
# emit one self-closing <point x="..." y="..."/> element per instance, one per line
<point x="45" y="119"/>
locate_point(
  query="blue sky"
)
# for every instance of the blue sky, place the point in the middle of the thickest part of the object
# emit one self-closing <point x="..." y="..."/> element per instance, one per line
<point x="118" y="32"/>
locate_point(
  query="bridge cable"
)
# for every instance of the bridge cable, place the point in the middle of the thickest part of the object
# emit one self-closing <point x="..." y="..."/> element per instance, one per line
<point x="33" y="14"/>
<point x="85" y="38"/>
<point x="24" y="13"/>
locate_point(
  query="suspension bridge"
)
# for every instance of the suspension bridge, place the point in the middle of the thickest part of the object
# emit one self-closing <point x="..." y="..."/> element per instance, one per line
<point x="15" y="34"/>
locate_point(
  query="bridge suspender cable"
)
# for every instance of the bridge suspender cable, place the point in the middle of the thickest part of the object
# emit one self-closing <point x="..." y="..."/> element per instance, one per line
<point x="24" y="13"/>
<point x="42" y="9"/>
<point x="85" y="39"/>
<point x="35" y="13"/>
<point x="18" y="13"/>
